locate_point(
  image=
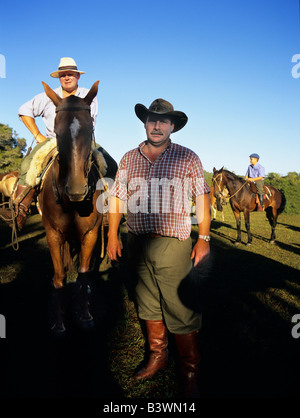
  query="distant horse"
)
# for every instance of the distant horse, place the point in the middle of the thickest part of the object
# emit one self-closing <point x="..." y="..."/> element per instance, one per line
<point x="68" y="199"/>
<point x="217" y="201"/>
<point x="7" y="183"/>
<point x="242" y="199"/>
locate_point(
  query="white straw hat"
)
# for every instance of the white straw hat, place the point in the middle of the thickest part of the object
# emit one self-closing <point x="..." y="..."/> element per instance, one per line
<point x="66" y="64"/>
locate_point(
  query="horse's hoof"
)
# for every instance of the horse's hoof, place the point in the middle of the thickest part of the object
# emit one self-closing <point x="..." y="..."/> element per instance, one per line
<point x="86" y="323"/>
<point x="249" y="244"/>
<point x="58" y="330"/>
<point x="237" y="243"/>
<point x="272" y="242"/>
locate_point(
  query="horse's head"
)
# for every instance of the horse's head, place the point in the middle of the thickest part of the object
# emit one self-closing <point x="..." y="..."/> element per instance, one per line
<point x="219" y="181"/>
<point x="73" y="128"/>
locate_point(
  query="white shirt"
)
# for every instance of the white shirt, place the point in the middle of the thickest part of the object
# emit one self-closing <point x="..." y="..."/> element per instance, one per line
<point x="41" y="105"/>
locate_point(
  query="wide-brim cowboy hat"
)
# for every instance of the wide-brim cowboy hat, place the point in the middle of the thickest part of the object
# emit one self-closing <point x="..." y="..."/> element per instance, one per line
<point x="66" y="64"/>
<point x="163" y="108"/>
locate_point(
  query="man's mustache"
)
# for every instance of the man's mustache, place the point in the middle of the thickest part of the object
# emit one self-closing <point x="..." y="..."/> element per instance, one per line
<point x="156" y="132"/>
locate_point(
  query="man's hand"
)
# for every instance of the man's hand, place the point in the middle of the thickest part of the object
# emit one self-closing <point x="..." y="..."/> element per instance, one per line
<point x="40" y="138"/>
<point x="200" y="251"/>
<point x="113" y="248"/>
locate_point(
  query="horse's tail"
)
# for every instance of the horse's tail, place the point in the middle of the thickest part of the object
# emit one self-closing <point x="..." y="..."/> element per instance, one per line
<point x="283" y="202"/>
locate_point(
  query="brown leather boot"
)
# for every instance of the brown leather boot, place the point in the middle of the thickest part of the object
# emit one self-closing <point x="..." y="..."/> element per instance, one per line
<point x="262" y="201"/>
<point x="189" y="355"/>
<point x="158" y="359"/>
<point x="24" y="206"/>
<point x="23" y="198"/>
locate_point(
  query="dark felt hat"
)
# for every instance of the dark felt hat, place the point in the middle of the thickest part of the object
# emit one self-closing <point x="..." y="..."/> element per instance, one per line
<point x="163" y="108"/>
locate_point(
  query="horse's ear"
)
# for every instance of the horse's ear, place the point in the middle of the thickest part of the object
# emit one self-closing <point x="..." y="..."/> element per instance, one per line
<point x="51" y="94"/>
<point x="92" y="93"/>
<point x="214" y="169"/>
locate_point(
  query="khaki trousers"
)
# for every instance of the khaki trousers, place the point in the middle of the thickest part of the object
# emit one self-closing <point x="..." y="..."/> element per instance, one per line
<point x="160" y="265"/>
<point x="260" y="186"/>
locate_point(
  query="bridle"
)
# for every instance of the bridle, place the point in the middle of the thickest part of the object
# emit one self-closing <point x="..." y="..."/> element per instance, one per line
<point x="88" y="162"/>
<point x="221" y="191"/>
<point x="59" y="108"/>
<point x="218" y="184"/>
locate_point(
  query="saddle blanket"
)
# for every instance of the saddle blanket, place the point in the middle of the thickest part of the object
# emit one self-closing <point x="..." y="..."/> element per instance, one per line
<point x="46" y="154"/>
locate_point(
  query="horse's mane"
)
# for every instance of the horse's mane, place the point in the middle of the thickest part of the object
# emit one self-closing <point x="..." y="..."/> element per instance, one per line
<point x="233" y="177"/>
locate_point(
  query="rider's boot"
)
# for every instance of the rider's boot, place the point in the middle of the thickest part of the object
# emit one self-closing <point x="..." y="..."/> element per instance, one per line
<point x="261" y="201"/>
<point x="259" y="204"/>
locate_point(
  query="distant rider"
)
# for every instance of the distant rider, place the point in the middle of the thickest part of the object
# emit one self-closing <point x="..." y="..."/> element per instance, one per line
<point x="256" y="174"/>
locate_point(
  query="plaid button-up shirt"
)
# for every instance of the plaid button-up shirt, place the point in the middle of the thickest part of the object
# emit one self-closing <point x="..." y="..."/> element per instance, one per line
<point x="159" y="193"/>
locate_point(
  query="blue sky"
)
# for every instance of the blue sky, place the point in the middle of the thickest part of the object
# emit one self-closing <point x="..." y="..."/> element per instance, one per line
<point x="226" y="64"/>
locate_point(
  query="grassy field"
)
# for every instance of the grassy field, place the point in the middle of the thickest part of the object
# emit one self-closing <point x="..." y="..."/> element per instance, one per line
<point x="287" y="248"/>
<point x="247" y="299"/>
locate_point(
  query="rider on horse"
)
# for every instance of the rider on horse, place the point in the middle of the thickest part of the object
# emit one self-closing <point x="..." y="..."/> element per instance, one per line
<point x="41" y="105"/>
<point x="256" y="174"/>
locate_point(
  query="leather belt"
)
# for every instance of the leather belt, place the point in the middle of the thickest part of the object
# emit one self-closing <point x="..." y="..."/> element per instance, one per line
<point x="153" y="235"/>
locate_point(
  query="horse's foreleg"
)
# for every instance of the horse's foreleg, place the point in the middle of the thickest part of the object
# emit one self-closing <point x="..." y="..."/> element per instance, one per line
<point x="56" y="251"/>
<point x="214" y="212"/>
<point x="247" y="224"/>
<point x="85" y="318"/>
<point x="86" y="252"/>
<point x="272" y="217"/>
<point x="238" y="226"/>
<point x="58" y="328"/>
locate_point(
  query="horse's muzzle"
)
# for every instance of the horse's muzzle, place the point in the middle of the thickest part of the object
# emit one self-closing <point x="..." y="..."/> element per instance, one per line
<point x="77" y="193"/>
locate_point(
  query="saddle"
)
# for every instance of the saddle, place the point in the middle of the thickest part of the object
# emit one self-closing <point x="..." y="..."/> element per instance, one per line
<point x="253" y="189"/>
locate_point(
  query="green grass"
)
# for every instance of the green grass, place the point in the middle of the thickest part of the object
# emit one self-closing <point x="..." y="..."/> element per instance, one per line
<point x="287" y="247"/>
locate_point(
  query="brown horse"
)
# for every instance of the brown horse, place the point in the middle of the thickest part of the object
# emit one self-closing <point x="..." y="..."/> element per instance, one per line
<point x="7" y="183"/>
<point x="242" y="199"/>
<point x="68" y="199"/>
<point x="217" y="200"/>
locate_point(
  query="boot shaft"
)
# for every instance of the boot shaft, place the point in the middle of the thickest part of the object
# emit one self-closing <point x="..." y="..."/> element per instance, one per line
<point x="158" y="342"/>
<point x="156" y="335"/>
<point x="188" y="352"/>
<point x="189" y="356"/>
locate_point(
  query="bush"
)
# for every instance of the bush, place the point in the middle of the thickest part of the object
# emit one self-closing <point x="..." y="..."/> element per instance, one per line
<point x="12" y="149"/>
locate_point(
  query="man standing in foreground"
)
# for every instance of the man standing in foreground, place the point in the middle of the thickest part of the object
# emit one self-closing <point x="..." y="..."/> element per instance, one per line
<point x="157" y="180"/>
